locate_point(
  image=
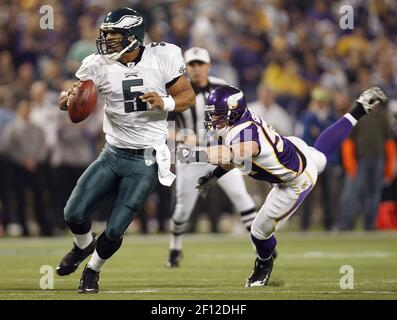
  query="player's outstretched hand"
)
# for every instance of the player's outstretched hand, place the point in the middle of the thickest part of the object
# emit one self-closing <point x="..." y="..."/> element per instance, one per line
<point x="371" y="97"/>
<point x="205" y="183"/>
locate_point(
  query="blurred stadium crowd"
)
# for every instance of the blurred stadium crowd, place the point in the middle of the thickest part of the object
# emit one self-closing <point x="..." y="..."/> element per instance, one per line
<point x="293" y="61"/>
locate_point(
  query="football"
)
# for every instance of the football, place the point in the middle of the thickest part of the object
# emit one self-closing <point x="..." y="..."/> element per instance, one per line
<point x="83" y="102"/>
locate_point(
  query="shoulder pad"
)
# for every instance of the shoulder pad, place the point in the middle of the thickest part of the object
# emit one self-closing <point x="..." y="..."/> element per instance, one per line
<point x="94" y="60"/>
<point x="234" y="131"/>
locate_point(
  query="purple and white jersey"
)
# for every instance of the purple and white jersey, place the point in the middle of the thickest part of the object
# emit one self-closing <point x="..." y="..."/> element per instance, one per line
<point x="279" y="160"/>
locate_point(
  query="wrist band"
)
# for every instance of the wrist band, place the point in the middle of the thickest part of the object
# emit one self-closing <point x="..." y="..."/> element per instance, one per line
<point x="169" y="103"/>
<point x="219" y="172"/>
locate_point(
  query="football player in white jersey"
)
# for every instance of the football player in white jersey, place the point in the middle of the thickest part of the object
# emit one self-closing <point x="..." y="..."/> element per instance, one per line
<point x="191" y="122"/>
<point x="140" y="85"/>
<point x="286" y="162"/>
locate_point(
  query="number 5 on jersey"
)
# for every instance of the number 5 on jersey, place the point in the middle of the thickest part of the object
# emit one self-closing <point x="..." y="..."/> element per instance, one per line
<point x="132" y="102"/>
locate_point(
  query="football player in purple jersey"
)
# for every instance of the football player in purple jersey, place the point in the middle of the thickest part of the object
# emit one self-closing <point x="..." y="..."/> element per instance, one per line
<point x="287" y="162"/>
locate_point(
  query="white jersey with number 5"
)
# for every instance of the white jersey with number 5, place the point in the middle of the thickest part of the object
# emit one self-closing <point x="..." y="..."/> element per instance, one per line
<point x="128" y="122"/>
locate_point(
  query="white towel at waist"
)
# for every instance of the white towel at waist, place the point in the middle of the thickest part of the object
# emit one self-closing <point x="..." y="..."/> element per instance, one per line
<point x="163" y="159"/>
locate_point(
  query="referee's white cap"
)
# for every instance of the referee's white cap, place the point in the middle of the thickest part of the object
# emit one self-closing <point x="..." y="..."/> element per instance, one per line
<point x="197" y="54"/>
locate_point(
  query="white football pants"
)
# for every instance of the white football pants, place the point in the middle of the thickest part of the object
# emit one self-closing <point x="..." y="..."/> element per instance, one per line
<point x="283" y="200"/>
<point x="186" y="196"/>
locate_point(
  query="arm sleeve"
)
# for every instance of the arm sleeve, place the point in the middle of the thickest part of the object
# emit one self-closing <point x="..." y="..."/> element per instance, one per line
<point x="219" y="172"/>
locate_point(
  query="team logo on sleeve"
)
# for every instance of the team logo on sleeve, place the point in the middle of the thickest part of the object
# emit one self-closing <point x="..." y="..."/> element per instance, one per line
<point x="182" y="69"/>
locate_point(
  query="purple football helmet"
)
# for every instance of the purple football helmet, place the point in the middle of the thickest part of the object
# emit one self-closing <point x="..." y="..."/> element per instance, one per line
<point x="225" y="106"/>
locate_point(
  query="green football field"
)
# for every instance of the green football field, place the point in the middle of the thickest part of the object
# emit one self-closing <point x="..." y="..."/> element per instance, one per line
<point x="214" y="267"/>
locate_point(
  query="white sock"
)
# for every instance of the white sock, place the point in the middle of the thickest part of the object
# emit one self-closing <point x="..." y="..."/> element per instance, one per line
<point x="176" y="242"/>
<point x="248" y="219"/>
<point x="82" y="240"/>
<point x="96" y="262"/>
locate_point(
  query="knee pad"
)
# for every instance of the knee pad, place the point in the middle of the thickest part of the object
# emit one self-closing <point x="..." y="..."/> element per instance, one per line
<point x="76" y="207"/>
<point x="73" y="213"/>
<point x="263" y="227"/>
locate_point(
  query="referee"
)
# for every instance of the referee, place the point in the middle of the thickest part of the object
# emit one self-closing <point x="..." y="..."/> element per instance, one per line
<point x="190" y="125"/>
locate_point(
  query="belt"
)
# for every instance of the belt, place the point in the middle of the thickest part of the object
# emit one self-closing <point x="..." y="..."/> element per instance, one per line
<point x="137" y="152"/>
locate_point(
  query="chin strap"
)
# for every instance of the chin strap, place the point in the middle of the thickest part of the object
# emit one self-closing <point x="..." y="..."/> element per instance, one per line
<point x="117" y="55"/>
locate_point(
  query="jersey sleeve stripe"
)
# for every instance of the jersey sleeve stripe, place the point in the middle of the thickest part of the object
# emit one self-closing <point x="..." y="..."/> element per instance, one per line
<point x="172" y="82"/>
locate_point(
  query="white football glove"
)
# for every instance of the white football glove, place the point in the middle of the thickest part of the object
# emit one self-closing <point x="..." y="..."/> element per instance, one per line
<point x="371" y="97"/>
<point x="185" y="154"/>
<point x="205" y="183"/>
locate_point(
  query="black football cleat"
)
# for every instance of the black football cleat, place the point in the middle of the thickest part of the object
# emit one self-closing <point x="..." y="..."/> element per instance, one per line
<point x="73" y="258"/>
<point x="174" y="258"/>
<point x="261" y="274"/>
<point x="89" y="281"/>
